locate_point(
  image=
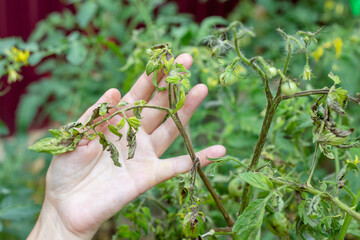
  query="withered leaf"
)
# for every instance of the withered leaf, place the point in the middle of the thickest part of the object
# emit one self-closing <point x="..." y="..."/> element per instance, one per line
<point x="62" y="142"/>
<point x="131" y="139"/>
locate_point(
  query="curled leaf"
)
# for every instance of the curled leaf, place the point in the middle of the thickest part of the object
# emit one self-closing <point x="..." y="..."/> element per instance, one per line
<point x="62" y="142"/>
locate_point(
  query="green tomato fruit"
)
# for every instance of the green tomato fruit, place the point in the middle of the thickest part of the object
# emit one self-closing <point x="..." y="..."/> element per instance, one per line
<point x="235" y="187"/>
<point x="270" y="72"/>
<point x="289" y="88"/>
<point x="228" y="77"/>
<point x="278" y="224"/>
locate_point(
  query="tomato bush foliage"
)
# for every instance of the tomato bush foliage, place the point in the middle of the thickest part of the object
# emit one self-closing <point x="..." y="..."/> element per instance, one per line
<point x="283" y="101"/>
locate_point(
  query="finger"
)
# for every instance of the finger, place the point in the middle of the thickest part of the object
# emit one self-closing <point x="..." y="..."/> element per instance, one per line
<point x="170" y="167"/>
<point x="112" y="95"/>
<point x="167" y="132"/>
<point x="144" y="88"/>
<point x="153" y="118"/>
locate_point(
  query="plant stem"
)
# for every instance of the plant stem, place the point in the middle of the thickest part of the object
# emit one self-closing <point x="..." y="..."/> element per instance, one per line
<point x="287" y="59"/>
<point x="269" y="115"/>
<point x="347" y="220"/>
<point x="313" y="165"/>
<point x="255" y="67"/>
<point x="201" y="173"/>
<point x="125" y="110"/>
<point x="318" y="91"/>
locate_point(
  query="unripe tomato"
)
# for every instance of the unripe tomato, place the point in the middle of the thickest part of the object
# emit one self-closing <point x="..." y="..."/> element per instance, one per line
<point x="228" y="78"/>
<point x="235" y="187"/>
<point x="270" y="72"/>
<point x="289" y="88"/>
<point x="278" y="224"/>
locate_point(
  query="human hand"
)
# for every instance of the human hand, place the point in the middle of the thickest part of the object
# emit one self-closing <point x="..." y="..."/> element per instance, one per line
<point x="84" y="188"/>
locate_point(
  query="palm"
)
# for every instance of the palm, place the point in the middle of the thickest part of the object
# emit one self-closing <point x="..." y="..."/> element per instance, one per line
<point x="85" y="186"/>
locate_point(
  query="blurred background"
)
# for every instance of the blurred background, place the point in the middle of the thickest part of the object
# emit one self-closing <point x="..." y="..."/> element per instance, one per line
<point x="79" y="49"/>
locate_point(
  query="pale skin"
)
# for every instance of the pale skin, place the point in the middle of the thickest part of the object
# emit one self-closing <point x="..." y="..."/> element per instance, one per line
<point x="84" y="188"/>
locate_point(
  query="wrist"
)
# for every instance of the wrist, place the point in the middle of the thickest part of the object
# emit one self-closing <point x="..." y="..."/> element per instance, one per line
<point x="50" y="226"/>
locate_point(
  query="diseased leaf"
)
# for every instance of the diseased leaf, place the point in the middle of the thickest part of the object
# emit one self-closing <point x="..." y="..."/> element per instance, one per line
<point x="114" y="154"/>
<point x="61" y="143"/>
<point x="343" y="171"/>
<point x="248" y="224"/>
<point x="131" y="139"/>
<point x="68" y="126"/>
<point x="102" y="140"/>
<point x="336" y="99"/>
<point x="93" y="116"/>
<point x="257" y="180"/>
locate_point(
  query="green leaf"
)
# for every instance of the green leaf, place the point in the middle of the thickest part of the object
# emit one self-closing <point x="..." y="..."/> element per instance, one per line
<point x="173" y="79"/>
<point x="185" y="83"/>
<point x="152" y="66"/>
<point x="181" y="101"/>
<point x="137" y="111"/>
<point x="76" y="54"/>
<point x="36" y="57"/>
<point x="2" y="67"/>
<point x="12" y="208"/>
<point x="257" y="180"/>
<point x="115" y="131"/>
<point x="3" y="129"/>
<point x="146" y="212"/>
<point x="248" y="224"/>
<point x="103" y="108"/>
<point x="335" y="78"/>
<point x="154" y="78"/>
<point x="86" y="12"/>
<point x="122" y="103"/>
<point x="121" y="123"/>
<point x="134" y="122"/>
<point x="181" y="68"/>
<point x="91" y="136"/>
